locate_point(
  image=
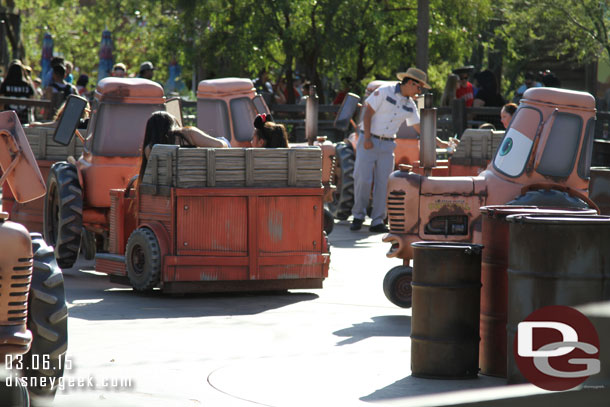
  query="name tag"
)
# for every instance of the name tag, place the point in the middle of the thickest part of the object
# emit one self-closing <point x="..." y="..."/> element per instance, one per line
<point x="389" y="99"/>
<point x="408" y="109"/>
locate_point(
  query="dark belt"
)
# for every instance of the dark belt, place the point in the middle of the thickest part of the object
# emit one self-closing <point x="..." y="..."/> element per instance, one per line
<point x="382" y="138"/>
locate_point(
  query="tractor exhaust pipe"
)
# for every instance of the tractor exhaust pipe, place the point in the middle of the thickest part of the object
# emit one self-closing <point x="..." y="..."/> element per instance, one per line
<point x="427" y="139"/>
<point x="311" y="116"/>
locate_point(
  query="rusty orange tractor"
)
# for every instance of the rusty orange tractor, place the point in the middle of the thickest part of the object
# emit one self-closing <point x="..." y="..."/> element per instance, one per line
<point x="33" y="312"/>
<point x="544" y="159"/>
<point x="212" y="220"/>
<point x="78" y="196"/>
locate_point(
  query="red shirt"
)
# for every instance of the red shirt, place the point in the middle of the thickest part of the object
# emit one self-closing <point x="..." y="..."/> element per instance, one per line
<point x="466" y="93"/>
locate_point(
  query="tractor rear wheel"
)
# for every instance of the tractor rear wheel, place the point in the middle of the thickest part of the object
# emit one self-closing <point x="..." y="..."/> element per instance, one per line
<point x="143" y="258"/>
<point x="47" y="320"/>
<point x="397" y="286"/>
<point x="63" y="213"/>
<point x="343" y="198"/>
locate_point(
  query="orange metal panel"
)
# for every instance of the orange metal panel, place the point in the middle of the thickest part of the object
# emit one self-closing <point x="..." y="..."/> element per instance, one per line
<point x="289" y="224"/>
<point x="291" y="271"/>
<point x="155" y="208"/>
<point x="211" y="273"/>
<point x="101" y="174"/>
<point x="110" y="267"/>
<point x="210" y="224"/>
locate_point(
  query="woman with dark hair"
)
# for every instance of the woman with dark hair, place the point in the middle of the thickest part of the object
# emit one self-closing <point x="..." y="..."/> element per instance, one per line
<point x="16" y="85"/>
<point x="268" y="134"/>
<point x="163" y="128"/>
<point x="488" y="95"/>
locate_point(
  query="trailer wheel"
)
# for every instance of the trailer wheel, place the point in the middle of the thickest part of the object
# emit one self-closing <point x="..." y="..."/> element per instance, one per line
<point x="397" y="286"/>
<point x="329" y="221"/>
<point x="47" y="320"/>
<point x="343" y="198"/>
<point x="143" y="258"/>
<point x="63" y="213"/>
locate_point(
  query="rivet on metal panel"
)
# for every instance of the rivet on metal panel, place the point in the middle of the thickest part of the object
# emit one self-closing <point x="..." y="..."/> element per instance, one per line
<point x="314" y="243"/>
<point x="186" y="207"/>
<point x="315" y="207"/>
<point x="186" y="243"/>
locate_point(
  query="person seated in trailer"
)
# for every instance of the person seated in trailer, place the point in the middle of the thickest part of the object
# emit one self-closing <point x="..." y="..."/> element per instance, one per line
<point x="268" y="134"/>
<point x="163" y="128"/>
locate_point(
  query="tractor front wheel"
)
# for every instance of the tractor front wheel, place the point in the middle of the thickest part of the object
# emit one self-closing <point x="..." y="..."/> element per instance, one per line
<point x="47" y="320"/>
<point x="63" y="213"/>
<point x="397" y="286"/>
<point x="143" y="258"/>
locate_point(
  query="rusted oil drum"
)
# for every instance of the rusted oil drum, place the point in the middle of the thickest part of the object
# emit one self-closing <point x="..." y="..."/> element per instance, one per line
<point x="445" y="311"/>
<point x="554" y="260"/>
<point x="494" y="280"/>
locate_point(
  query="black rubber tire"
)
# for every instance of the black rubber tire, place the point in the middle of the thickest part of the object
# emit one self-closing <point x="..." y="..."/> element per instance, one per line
<point x="329" y="221"/>
<point x="549" y="198"/>
<point x="88" y="245"/>
<point x="343" y="199"/>
<point x="143" y="260"/>
<point x="397" y="286"/>
<point x="63" y="213"/>
<point x="47" y="320"/>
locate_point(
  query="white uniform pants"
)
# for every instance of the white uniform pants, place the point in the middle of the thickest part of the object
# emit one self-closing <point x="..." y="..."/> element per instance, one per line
<point x="372" y="169"/>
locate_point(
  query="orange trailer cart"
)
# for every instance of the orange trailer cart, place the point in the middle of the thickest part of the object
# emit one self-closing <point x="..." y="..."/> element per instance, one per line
<point x="221" y="229"/>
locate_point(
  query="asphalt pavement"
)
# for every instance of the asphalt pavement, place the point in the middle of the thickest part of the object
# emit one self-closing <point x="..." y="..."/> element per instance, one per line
<point x="343" y="345"/>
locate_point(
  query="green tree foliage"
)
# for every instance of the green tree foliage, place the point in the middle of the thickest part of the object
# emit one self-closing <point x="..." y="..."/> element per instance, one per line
<point x="323" y="39"/>
<point x="141" y="30"/>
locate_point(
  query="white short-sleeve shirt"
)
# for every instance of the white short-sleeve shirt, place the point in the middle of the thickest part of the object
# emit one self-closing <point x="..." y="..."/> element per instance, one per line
<point x="391" y="110"/>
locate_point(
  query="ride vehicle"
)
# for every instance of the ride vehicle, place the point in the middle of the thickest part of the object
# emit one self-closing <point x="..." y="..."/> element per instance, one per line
<point x="544" y="159"/>
<point x="213" y="220"/>
<point x="77" y="202"/>
<point x="33" y="311"/>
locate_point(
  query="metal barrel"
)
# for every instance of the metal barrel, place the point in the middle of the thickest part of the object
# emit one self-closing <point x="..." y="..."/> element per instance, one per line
<point x="445" y="311"/>
<point x="494" y="280"/>
<point x="554" y="260"/>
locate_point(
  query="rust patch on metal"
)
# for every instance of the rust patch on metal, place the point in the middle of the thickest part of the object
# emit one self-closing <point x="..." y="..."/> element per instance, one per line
<point x="275" y="226"/>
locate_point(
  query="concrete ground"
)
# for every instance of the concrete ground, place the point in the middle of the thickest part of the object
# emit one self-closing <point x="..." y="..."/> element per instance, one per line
<point x="343" y="345"/>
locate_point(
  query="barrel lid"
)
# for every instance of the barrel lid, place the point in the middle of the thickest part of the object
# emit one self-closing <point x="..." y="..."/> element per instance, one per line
<point x="599" y="220"/>
<point x="501" y="211"/>
<point x="448" y="245"/>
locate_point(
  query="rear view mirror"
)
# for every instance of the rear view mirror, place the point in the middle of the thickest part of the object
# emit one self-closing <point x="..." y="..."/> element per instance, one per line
<point x="346" y="111"/>
<point x="260" y="105"/>
<point x="69" y="120"/>
<point x="174" y="107"/>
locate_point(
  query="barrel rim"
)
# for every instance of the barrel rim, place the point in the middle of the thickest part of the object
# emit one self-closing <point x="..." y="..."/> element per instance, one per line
<point x="593" y="220"/>
<point x="506" y="210"/>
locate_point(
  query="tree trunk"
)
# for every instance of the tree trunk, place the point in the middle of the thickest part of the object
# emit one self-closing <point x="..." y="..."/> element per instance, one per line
<point x="423" y="24"/>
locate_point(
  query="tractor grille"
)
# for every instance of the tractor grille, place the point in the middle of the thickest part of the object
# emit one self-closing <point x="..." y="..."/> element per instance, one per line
<point x="14" y="290"/>
<point x="396" y="211"/>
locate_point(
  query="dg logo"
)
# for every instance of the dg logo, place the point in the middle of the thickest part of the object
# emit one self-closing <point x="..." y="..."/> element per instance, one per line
<point x="557" y="348"/>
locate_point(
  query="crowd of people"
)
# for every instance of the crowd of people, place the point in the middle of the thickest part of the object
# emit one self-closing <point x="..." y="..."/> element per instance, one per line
<point x="55" y="85"/>
<point x="278" y="92"/>
<point x="484" y="90"/>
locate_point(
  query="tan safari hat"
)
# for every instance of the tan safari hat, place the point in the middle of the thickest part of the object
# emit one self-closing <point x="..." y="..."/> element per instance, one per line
<point x="415" y="74"/>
